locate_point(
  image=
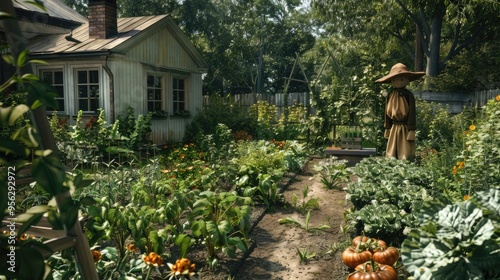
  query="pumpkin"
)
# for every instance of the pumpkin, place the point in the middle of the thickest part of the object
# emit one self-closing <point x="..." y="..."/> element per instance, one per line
<point x="387" y="256"/>
<point x="373" y="271"/>
<point x="353" y="257"/>
<point x="359" y="239"/>
<point x="381" y="245"/>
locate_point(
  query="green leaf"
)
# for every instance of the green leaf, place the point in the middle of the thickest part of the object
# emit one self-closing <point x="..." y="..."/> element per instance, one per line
<point x="11" y="146"/>
<point x="26" y="135"/>
<point x="69" y="212"/>
<point x="183" y="241"/>
<point x="49" y="173"/>
<point x="17" y="112"/>
<point x="4" y="15"/>
<point x="38" y="61"/>
<point x="22" y="58"/>
<point x="198" y="228"/>
<point x="29" y="263"/>
<point x="33" y="220"/>
<point x="87" y="201"/>
<point x="55" y="220"/>
<point x="156" y="242"/>
<point x="30" y="77"/>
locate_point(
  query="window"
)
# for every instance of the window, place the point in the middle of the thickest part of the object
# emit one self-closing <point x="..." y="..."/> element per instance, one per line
<point x="179" y="95"/>
<point x="55" y="78"/>
<point x="87" y="90"/>
<point x="154" y="93"/>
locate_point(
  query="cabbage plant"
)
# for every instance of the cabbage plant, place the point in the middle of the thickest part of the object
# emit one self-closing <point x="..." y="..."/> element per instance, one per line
<point x="456" y="241"/>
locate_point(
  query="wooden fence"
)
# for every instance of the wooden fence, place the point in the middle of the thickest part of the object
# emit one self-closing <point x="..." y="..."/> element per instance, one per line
<point x="456" y="101"/>
<point x="249" y="99"/>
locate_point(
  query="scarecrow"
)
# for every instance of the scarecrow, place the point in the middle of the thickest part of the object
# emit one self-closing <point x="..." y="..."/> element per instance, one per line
<point x="399" y="120"/>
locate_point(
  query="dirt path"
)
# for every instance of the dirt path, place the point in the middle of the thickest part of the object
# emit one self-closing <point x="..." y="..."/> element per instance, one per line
<point x="275" y="255"/>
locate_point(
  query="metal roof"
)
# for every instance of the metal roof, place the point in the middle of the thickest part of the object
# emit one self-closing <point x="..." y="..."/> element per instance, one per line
<point x="78" y="40"/>
<point x="53" y="8"/>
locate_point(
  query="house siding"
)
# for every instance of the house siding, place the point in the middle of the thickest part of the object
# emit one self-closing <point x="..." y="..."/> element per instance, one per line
<point x="162" y="49"/>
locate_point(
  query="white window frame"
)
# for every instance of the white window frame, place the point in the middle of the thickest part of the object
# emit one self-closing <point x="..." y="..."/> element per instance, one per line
<point x="76" y="85"/>
<point x="163" y="96"/>
<point x="185" y="90"/>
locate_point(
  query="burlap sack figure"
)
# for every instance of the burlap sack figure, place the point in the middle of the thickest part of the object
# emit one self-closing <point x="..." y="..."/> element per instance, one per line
<point x="400" y="120"/>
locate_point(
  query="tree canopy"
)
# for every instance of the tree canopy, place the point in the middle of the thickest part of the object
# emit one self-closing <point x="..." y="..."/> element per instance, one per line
<point x="251" y="45"/>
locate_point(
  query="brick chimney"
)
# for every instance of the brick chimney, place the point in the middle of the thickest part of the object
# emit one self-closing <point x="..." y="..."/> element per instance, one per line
<point x="102" y="19"/>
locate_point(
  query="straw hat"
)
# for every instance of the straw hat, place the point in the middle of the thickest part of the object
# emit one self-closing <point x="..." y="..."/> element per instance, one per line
<point x="399" y="69"/>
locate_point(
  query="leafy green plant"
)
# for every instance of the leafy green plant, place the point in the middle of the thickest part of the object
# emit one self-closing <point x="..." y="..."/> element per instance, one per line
<point x="305" y="255"/>
<point x="305" y="204"/>
<point x="261" y="166"/>
<point x="456" y="241"/>
<point x="219" y="219"/>
<point x="382" y="221"/>
<point x="306" y="225"/>
<point x="333" y="173"/>
<point x="481" y="154"/>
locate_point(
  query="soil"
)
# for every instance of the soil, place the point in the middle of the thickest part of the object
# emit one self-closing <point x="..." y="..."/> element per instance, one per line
<point x="274" y="251"/>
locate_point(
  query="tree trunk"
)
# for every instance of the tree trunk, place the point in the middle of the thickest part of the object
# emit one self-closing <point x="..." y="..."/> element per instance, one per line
<point x="435" y="43"/>
<point x="419" y="52"/>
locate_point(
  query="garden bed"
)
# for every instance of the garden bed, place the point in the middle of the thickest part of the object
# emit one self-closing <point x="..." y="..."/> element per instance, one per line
<point x="273" y="253"/>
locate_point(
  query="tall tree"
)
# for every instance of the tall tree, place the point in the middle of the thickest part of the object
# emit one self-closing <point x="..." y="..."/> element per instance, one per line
<point x="444" y="25"/>
<point x="249" y="44"/>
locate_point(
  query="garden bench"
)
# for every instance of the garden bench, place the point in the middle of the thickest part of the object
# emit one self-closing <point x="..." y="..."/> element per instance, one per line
<point x="55" y="240"/>
<point x="353" y="156"/>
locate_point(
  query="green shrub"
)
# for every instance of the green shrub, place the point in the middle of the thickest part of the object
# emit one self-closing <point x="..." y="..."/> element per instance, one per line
<point x="219" y="111"/>
<point x="481" y="155"/>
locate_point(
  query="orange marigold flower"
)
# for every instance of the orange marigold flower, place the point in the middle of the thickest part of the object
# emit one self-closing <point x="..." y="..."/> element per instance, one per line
<point x="472" y="127"/>
<point x="454" y="171"/>
<point x="182" y="267"/>
<point x="466" y="197"/>
<point x="497" y="98"/>
<point x="153" y="259"/>
<point x="461" y="164"/>
<point x="96" y="255"/>
<point x="181" y="156"/>
<point x="132" y="248"/>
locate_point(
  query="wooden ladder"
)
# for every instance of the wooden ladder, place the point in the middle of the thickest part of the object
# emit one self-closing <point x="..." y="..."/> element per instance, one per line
<point x="58" y="240"/>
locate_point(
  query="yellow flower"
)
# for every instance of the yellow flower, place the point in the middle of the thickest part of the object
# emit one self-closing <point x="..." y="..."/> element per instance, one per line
<point x="460" y="164"/>
<point x="466" y="197"/>
<point x="454" y="171"/>
<point x="472" y="127"/>
<point x="497" y="98"/>
<point x="96" y="255"/>
<point x="153" y="259"/>
<point x="182" y="267"/>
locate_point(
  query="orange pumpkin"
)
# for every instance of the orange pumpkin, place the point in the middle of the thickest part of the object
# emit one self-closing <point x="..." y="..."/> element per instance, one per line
<point x="387" y="256"/>
<point x="359" y="239"/>
<point x="353" y="257"/>
<point x="373" y="271"/>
